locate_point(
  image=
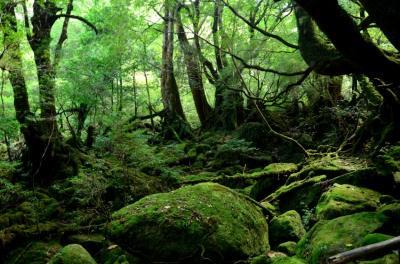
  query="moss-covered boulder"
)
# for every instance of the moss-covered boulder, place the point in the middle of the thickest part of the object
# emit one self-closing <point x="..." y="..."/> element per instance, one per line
<point x="114" y="254"/>
<point x="72" y="254"/>
<point x="331" y="166"/>
<point x="270" y="178"/>
<point x="286" y="227"/>
<point x="92" y="242"/>
<point x="299" y="195"/>
<point x="289" y="248"/>
<point x="375" y="238"/>
<point x="393" y="212"/>
<point x="329" y="237"/>
<point x="346" y="199"/>
<point x="204" y="220"/>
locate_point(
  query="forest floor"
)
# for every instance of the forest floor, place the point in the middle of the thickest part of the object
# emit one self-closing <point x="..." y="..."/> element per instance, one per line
<point x="218" y="198"/>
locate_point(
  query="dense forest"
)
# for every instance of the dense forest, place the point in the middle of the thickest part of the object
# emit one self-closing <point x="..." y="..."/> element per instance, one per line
<point x="218" y="131"/>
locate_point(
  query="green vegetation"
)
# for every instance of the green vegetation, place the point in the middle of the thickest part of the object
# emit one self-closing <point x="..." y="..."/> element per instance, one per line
<point x="207" y="219"/>
<point x="222" y="131"/>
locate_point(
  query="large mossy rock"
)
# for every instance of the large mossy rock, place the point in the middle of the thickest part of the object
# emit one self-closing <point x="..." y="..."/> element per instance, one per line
<point x="346" y="199"/>
<point x="331" y="166"/>
<point x="72" y="254"/>
<point x="299" y="195"/>
<point x="286" y="227"/>
<point x="270" y="178"/>
<point x="193" y="222"/>
<point x="329" y="237"/>
<point x="393" y="212"/>
<point x="289" y="248"/>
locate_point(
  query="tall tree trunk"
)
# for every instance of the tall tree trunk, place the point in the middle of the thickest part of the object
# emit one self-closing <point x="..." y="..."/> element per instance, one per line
<point x="135" y="101"/>
<point x="228" y="98"/>
<point x="194" y="74"/>
<point x="169" y="87"/>
<point x="174" y="122"/>
<point x="49" y="157"/>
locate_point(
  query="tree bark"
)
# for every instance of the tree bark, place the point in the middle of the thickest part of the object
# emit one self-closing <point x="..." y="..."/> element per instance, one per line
<point x="345" y="35"/>
<point x="169" y="87"/>
<point x="194" y="74"/>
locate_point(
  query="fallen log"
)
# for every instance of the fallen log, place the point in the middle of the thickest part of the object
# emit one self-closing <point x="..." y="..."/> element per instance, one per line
<point x="357" y="253"/>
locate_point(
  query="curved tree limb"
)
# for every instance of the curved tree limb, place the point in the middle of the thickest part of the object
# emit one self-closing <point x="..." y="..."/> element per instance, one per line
<point x="84" y="20"/>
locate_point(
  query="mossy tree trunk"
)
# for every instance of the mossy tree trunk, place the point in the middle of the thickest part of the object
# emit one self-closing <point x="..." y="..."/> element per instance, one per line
<point x="47" y="157"/>
<point x="174" y="123"/>
<point x="194" y="74"/>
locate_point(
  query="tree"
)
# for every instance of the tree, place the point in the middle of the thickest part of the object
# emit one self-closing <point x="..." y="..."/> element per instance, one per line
<point x="354" y="52"/>
<point x="193" y="69"/>
<point x="174" y="117"/>
<point x="47" y="155"/>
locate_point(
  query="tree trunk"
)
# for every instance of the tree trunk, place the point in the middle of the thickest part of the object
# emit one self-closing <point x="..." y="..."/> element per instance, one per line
<point x="194" y="75"/>
<point x="175" y="125"/>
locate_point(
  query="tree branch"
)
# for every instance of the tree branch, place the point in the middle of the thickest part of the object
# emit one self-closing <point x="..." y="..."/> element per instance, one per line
<point x="262" y="31"/>
<point x="84" y="20"/>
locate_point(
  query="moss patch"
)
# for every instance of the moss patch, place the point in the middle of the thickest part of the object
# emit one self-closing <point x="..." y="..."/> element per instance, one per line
<point x="329" y="237"/>
<point x="286" y="227"/>
<point x="330" y="166"/>
<point x="289" y="248"/>
<point x="181" y="224"/>
<point x="388" y="259"/>
<point x="375" y="238"/>
<point x="72" y="254"/>
<point x="298" y="195"/>
<point x="270" y="178"/>
<point x="346" y="199"/>
<point x="34" y="253"/>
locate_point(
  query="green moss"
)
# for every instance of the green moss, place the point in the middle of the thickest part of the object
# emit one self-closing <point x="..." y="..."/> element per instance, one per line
<point x="182" y="223"/>
<point x="286" y="227"/>
<point x="331" y="166"/>
<point x="276" y="258"/>
<point x="375" y="238"/>
<point x="389" y="162"/>
<point x="271" y="208"/>
<point x="34" y="253"/>
<point x="393" y="212"/>
<point x="298" y="195"/>
<point x="270" y="178"/>
<point x="346" y="199"/>
<point x="92" y="242"/>
<point x="287" y="260"/>
<point x="262" y="259"/>
<point x="72" y="254"/>
<point x="388" y="259"/>
<point x="281" y="168"/>
<point x="329" y="237"/>
<point x="8" y="169"/>
<point x="289" y="248"/>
